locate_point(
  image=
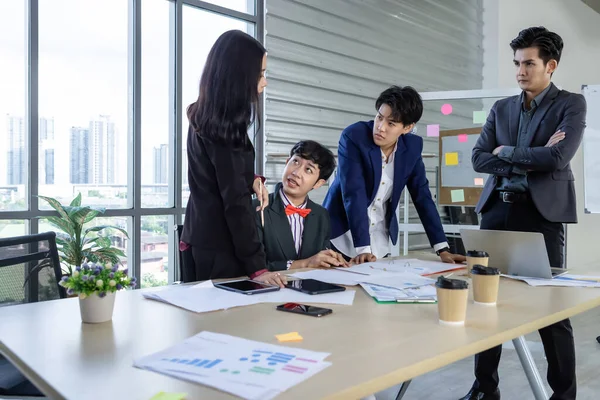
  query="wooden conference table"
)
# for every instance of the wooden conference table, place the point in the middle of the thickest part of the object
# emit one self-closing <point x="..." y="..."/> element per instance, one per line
<point x="373" y="346"/>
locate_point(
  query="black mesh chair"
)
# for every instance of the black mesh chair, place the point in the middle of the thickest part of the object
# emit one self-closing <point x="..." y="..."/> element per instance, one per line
<point x="29" y="272"/>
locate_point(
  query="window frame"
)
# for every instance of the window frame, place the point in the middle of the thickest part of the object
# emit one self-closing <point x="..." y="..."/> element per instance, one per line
<point x="134" y="211"/>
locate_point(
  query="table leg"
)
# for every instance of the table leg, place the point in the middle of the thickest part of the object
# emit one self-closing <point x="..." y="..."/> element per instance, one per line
<point x="533" y="375"/>
<point x="403" y="390"/>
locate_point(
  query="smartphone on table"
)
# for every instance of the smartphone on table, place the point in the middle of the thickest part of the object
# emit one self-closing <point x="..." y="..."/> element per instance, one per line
<point x="313" y="286"/>
<point x="246" y="286"/>
<point x="312" y="311"/>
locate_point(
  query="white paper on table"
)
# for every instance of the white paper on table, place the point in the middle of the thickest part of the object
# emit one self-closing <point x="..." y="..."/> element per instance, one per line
<point x="245" y="368"/>
<point x="345" y="298"/>
<point x="204" y="297"/>
<point x="580" y="277"/>
<point x="331" y="276"/>
<point x="400" y="280"/>
<point x="411" y="265"/>
<point x="383" y="293"/>
<point x="553" y="282"/>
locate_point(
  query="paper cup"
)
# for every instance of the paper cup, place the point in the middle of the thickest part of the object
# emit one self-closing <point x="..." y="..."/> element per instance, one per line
<point x="452" y="297"/>
<point x="476" y="257"/>
<point x="486" y="281"/>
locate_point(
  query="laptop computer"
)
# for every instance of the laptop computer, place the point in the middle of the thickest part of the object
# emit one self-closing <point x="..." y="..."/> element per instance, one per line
<point x="513" y="253"/>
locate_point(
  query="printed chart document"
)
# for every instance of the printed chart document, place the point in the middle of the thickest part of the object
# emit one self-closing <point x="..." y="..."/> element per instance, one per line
<point x="245" y="368"/>
<point x="204" y="297"/>
<point x="384" y="268"/>
<point x="412" y="265"/>
<point x="387" y="294"/>
<point x="400" y="280"/>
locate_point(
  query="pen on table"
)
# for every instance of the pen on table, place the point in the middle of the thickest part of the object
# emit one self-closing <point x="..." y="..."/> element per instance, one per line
<point x="342" y="268"/>
<point x="418" y="300"/>
<point x="352" y="272"/>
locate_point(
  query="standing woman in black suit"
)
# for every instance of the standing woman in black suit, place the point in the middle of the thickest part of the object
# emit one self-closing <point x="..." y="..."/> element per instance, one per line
<point x="219" y="228"/>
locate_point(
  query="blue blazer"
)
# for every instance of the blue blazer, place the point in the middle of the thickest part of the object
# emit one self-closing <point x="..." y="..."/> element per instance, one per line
<point x="359" y="176"/>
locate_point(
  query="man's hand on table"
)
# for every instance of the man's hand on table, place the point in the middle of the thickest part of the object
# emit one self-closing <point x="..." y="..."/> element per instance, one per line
<point x="450" y="258"/>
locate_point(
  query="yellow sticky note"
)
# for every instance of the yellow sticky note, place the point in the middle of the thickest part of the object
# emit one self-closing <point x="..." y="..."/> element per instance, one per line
<point x="289" y="337"/>
<point x="169" y="396"/>
<point x="458" y="195"/>
<point x="451" y="158"/>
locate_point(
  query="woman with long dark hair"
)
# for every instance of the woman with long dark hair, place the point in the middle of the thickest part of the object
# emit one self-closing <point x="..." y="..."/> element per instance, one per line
<point x="219" y="228"/>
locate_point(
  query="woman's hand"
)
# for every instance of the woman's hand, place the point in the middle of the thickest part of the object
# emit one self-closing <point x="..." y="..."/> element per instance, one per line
<point x="272" y="278"/>
<point x="262" y="194"/>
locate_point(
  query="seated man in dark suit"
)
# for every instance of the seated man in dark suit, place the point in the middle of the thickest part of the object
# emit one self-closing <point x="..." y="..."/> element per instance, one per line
<point x="297" y="231"/>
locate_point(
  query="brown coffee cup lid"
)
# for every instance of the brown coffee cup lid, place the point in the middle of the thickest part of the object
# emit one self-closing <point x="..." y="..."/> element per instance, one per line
<point x="445" y="283"/>
<point x="483" y="270"/>
<point x="477" y="253"/>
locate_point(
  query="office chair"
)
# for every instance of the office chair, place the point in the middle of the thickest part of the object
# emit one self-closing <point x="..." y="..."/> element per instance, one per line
<point x="29" y="272"/>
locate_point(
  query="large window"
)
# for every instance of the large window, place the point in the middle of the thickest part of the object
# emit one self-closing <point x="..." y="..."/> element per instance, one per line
<point x="13" y="154"/>
<point x="209" y="26"/>
<point x="156" y="158"/>
<point x="94" y="97"/>
<point x="83" y="101"/>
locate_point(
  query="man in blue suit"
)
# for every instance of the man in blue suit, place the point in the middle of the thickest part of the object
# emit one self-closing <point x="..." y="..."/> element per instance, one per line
<point x="376" y="160"/>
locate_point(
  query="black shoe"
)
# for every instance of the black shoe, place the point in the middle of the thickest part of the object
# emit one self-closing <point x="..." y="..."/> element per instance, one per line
<point x="475" y="394"/>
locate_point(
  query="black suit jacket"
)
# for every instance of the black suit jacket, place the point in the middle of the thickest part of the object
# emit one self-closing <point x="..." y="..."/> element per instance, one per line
<point x="551" y="181"/>
<point x="219" y="219"/>
<point x="277" y="238"/>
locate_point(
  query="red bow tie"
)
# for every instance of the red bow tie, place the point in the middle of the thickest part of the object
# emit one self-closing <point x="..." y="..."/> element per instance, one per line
<point x="290" y="209"/>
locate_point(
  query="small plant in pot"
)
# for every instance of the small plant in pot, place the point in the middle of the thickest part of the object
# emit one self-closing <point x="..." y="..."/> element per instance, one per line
<point x="96" y="285"/>
<point x="78" y="242"/>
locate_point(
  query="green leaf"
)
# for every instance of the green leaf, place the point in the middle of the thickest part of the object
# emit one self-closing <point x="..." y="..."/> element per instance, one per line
<point x="76" y="201"/>
<point x="79" y="214"/>
<point x="101" y="227"/>
<point x="56" y="205"/>
<point x="111" y="254"/>
<point x="62" y="242"/>
<point x="63" y="224"/>
<point x="93" y="214"/>
<point x="103" y="242"/>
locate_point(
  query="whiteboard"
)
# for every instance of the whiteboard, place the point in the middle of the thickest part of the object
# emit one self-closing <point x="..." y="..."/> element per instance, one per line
<point x="591" y="149"/>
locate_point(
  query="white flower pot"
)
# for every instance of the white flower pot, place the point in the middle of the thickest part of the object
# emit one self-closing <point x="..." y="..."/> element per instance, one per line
<point x="95" y="309"/>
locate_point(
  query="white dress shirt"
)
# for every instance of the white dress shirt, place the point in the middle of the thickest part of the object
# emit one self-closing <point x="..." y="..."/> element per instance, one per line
<point x="295" y="220"/>
<point x="380" y="237"/>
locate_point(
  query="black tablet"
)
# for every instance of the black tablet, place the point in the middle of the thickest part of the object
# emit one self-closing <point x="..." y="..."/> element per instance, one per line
<point x="246" y="286"/>
<point x="312" y="286"/>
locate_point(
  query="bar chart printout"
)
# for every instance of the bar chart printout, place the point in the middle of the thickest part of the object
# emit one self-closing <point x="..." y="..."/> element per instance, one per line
<point x="245" y="368"/>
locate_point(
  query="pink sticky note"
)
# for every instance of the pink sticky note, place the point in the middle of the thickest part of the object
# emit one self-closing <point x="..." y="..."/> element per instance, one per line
<point x="447" y="109"/>
<point x="462" y="138"/>
<point x="478" y="181"/>
<point x="433" y="130"/>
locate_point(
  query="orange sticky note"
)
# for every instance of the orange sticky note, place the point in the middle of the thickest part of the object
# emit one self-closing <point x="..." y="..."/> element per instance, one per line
<point x="289" y="337"/>
<point x="478" y="181"/>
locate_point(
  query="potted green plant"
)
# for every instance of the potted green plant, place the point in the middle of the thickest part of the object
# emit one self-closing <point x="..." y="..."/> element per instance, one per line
<point x="78" y="244"/>
<point x="96" y="285"/>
